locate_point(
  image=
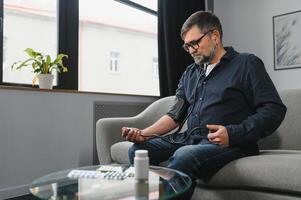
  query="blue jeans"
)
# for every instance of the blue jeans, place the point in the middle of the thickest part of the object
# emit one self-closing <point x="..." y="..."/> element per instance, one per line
<point x="197" y="157"/>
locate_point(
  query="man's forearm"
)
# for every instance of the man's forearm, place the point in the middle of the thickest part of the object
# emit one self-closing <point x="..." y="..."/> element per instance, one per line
<point x="162" y="126"/>
<point x="263" y="123"/>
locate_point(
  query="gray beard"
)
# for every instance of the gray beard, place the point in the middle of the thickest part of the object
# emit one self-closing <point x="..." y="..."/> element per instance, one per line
<point x="199" y="60"/>
<point x="204" y="59"/>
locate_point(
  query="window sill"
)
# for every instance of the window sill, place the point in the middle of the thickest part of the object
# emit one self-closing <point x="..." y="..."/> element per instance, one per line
<point x="35" y="89"/>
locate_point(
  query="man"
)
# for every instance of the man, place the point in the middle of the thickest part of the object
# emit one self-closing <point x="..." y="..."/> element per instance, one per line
<point x="229" y="102"/>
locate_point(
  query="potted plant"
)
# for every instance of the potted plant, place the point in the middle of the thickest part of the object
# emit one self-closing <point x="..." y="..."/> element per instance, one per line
<point x="43" y="66"/>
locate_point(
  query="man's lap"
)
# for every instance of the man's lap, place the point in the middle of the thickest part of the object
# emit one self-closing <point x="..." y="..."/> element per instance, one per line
<point x="203" y="155"/>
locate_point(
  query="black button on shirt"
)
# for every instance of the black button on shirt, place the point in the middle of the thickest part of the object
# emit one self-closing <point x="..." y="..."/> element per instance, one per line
<point x="238" y="93"/>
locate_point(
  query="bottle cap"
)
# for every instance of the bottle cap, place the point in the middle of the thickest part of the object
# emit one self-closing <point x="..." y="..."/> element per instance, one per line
<point x="141" y="153"/>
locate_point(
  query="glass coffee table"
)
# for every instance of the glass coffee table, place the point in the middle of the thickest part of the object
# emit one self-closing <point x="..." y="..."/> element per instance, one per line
<point x="163" y="183"/>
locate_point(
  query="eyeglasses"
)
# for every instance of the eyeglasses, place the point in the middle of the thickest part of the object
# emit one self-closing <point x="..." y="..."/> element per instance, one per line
<point x="194" y="44"/>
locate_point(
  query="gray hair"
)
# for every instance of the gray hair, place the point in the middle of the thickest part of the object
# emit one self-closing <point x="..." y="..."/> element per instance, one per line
<point x="205" y="21"/>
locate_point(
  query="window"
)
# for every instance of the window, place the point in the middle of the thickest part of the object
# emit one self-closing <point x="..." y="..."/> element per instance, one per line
<point x="112" y="28"/>
<point x="96" y="39"/>
<point x="155" y="67"/>
<point x="4" y="48"/>
<point x="114" y="62"/>
<point x="27" y="23"/>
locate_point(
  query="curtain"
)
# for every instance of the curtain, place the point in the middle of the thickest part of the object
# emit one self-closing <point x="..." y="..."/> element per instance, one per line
<point x="173" y="60"/>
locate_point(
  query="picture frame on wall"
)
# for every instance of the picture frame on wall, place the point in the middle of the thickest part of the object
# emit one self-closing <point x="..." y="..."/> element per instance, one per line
<point x="287" y="40"/>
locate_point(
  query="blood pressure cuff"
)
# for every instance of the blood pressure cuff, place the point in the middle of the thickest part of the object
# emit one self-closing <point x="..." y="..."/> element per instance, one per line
<point x="178" y="111"/>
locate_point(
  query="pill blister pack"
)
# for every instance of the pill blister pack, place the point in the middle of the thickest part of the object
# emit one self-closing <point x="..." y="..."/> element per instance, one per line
<point x="76" y="174"/>
<point x="115" y="175"/>
<point x="108" y="173"/>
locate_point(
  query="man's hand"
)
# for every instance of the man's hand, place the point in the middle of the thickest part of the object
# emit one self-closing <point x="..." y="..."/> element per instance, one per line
<point x="133" y="134"/>
<point x="218" y="135"/>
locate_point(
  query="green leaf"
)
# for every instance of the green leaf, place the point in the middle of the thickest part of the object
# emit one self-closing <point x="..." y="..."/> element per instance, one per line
<point x="57" y="69"/>
<point x="31" y="53"/>
<point x="19" y="65"/>
<point x="37" y="70"/>
<point x="48" y="59"/>
<point x="65" y="69"/>
<point x="59" y="58"/>
<point x="45" y="68"/>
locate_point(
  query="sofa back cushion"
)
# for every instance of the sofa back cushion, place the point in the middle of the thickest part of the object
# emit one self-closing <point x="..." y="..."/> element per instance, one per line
<point x="288" y="135"/>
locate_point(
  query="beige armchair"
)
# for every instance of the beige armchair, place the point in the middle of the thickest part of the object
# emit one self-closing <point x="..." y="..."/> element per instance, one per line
<point x="111" y="147"/>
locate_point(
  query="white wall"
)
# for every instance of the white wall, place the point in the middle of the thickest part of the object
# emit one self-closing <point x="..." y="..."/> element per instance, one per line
<point x="248" y="27"/>
<point x="43" y="132"/>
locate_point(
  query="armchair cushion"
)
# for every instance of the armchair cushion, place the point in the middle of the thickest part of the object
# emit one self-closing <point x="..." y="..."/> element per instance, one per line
<point x="248" y="173"/>
<point x="119" y="152"/>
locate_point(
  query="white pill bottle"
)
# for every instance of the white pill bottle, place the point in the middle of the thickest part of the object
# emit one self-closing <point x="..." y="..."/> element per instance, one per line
<point x="141" y="164"/>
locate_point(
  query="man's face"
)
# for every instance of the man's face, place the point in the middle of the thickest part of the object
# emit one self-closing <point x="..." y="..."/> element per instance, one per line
<point x="200" y="45"/>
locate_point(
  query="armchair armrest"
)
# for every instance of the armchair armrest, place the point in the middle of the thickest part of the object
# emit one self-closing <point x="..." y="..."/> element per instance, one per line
<point x="108" y="130"/>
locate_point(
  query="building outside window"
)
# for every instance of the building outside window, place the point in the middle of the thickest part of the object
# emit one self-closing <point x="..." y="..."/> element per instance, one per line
<point x="128" y="36"/>
<point x="27" y="24"/>
<point x="155" y="67"/>
<point x="4" y="49"/>
<point x="114" y="62"/>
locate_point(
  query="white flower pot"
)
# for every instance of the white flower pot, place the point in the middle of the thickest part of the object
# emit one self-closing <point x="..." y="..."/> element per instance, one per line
<point x="45" y="81"/>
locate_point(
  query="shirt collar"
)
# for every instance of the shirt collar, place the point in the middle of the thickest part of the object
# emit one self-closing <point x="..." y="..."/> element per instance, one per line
<point x="230" y="53"/>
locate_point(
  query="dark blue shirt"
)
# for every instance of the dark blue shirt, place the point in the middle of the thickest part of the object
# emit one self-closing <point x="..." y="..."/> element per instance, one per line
<point x="238" y="94"/>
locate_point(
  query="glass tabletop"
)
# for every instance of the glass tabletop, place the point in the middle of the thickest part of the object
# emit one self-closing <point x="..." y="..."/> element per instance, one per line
<point x="163" y="183"/>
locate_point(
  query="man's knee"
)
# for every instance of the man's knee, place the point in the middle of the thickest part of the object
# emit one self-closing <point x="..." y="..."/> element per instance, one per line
<point x="191" y="160"/>
<point x="182" y="159"/>
<point x="132" y="149"/>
